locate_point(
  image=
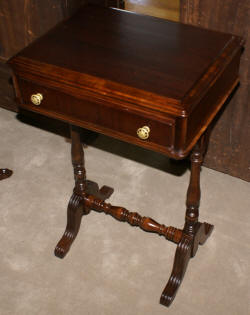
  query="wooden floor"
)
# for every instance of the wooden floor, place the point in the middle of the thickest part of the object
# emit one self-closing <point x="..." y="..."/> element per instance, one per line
<point x="167" y="9"/>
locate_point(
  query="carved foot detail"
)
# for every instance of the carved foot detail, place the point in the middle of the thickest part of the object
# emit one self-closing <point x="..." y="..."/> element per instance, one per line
<point x="74" y="216"/>
<point x="186" y="249"/>
<point x="181" y="260"/>
<point x="76" y="209"/>
<point x="5" y="173"/>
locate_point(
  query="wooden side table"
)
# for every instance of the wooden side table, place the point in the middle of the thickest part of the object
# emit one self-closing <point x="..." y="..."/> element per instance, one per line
<point x="147" y="81"/>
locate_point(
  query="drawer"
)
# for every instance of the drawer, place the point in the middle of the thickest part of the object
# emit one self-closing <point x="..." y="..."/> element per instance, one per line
<point x="104" y="118"/>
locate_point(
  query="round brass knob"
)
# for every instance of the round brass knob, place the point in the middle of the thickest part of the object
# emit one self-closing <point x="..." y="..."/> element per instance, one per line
<point x="36" y="99"/>
<point x="143" y="133"/>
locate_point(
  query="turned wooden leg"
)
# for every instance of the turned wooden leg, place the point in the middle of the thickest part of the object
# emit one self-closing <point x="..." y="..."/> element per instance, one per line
<point x="76" y="207"/>
<point x="194" y="232"/>
<point x="199" y="231"/>
<point x="5" y="173"/>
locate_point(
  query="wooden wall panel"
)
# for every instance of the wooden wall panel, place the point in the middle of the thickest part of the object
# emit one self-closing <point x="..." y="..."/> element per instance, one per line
<point x="24" y="20"/>
<point x="6" y="89"/>
<point x="167" y="9"/>
<point x="229" y="149"/>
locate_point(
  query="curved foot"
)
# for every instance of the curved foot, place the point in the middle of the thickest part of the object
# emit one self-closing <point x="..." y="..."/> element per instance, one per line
<point x="182" y="257"/>
<point x="74" y="216"/>
<point x="5" y="173"/>
<point x="186" y="249"/>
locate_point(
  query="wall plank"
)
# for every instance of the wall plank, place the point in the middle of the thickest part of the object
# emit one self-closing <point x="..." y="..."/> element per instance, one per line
<point x="24" y="20"/>
<point x="229" y="149"/>
<point x="167" y="9"/>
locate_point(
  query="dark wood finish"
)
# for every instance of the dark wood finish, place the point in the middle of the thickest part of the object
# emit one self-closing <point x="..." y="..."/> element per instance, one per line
<point x="76" y="206"/>
<point x="86" y="198"/>
<point x="23" y="21"/>
<point x="74" y="217"/>
<point x="185" y="250"/>
<point x="181" y="260"/>
<point x="120" y="73"/>
<point x="195" y="233"/>
<point x="133" y="218"/>
<point x="100" y="76"/>
<point x="78" y="161"/>
<point x="194" y="191"/>
<point x="5" y="173"/>
<point x="229" y="148"/>
<point x="7" y="96"/>
<point x="97" y="116"/>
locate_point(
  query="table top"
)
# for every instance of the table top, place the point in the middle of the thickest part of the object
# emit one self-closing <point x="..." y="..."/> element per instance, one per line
<point x="117" y="72"/>
<point x="148" y="54"/>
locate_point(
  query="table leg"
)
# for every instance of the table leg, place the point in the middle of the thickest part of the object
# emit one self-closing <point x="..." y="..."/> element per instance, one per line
<point x="87" y="196"/>
<point x="195" y="233"/>
<point x="5" y="173"/>
<point x="76" y="206"/>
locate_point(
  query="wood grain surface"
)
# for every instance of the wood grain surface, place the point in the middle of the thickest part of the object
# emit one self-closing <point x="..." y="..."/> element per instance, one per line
<point x="229" y="149"/>
<point x="141" y="52"/>
<point x="6" y="89"/>
<point x="24" y="20"/>
<point x="125" y="71"/>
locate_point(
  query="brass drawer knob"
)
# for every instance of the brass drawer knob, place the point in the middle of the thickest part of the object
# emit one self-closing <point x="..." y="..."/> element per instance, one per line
<point x="143" y="133"/>
<point x="36" y="99"/>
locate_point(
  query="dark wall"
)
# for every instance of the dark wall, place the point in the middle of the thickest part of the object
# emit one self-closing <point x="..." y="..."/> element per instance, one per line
<point x="229" y="149"/>
<point x="24" y="20"/>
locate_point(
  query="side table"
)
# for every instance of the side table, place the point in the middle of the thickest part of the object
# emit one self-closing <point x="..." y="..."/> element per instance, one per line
<point x="151" y="82"/>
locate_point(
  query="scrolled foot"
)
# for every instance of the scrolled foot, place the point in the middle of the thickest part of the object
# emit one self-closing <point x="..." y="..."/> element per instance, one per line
<point x="74" y="216"/>
<point x="5" y="173"/>
<point x="181" y="260"/>
<point x="64" y="244"/>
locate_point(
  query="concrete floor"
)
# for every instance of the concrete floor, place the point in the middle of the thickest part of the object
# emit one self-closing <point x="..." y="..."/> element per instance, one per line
<point x="113" y="268"/>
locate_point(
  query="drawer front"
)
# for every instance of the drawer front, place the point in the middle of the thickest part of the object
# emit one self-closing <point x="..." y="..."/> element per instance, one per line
<point x="110" y="120"/>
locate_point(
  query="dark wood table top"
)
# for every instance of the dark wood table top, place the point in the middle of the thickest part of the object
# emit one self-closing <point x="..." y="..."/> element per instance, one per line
<point x="137" y="63"/>
<point x="144" y="52"/>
